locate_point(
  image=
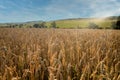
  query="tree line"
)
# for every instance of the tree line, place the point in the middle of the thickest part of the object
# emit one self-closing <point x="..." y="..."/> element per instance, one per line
<point x="36" y="25"/>
<point x="115" y="25"/>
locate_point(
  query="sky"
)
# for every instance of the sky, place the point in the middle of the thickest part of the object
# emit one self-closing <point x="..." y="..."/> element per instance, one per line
<point x="46" y="10"/>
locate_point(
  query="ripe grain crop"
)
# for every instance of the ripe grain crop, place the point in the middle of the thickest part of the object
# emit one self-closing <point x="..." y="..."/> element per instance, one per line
<point x="59" y="54"/>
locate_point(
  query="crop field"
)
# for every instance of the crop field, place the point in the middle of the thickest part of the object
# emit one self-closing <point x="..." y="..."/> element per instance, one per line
<point x="59" y="54"/>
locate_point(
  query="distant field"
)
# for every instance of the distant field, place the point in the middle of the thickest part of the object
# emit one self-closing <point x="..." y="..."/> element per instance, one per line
<point x="83" y="23"/>
<point x="59" y="54"/>
<point x="68" y="23"/>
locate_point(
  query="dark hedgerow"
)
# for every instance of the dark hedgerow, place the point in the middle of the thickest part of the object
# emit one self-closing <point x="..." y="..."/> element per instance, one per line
<point x="117" y="24"/>
<point x="93" y="26"/>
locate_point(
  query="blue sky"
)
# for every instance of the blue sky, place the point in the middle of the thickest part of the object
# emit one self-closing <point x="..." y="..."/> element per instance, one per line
<point x="46" y="10"/>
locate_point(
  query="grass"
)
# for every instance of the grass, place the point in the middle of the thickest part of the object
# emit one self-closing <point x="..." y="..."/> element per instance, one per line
<point x="59" y="54"/>
<point x="82" y="23"/>
<point x="70" y="23"/>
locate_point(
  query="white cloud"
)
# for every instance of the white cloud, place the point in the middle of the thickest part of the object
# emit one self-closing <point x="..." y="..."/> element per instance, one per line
<point x="81" y="8"/>
<point x="105" y="8"/>
<point x="59" y="9"/>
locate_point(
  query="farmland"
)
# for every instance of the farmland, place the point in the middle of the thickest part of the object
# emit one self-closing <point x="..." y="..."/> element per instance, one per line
<point x="83" y="22"/>
<point x="103" y="23"/>
<point x="59" y="54"/>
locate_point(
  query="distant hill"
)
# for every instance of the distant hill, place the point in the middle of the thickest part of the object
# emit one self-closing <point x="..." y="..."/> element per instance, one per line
<point x="72" y="22"/>
<point x="84" y="22"/>
<point x="24" y="24"/>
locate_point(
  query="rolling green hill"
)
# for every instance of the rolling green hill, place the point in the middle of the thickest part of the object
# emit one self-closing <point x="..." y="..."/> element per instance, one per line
<point x="70" y="23"/>
<point x="84" y="22"/>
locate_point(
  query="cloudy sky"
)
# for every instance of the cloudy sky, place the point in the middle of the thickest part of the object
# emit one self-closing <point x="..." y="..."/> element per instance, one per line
<point x="32" y="10"/>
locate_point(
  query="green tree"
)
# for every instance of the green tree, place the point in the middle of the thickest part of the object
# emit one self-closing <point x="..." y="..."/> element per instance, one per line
<point x="20" y="25"/>
<point x="118" y="23"/>
<point x="36" y="26"/>
<point x="93" y="26"/>
<point x="43" y="25"/>
<point x="53" y="24"/>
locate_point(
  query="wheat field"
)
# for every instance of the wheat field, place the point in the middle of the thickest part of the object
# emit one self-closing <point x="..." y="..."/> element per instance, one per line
<point x="59" y="54"/>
